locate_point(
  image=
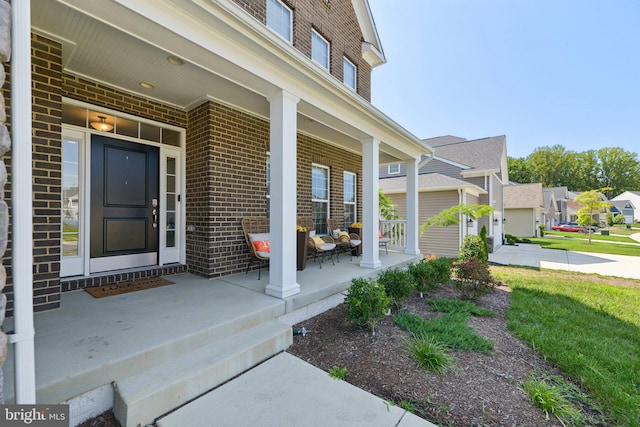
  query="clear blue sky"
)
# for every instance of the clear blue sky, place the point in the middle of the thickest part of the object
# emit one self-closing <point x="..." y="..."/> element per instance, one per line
<point x="541" y="72"/>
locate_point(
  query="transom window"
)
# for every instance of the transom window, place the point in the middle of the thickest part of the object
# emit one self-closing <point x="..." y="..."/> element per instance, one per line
<point x="349" y="71"/>
<point x="320" y="197"/>
<point x="319" y="49"/>
<point x="395" y="168"/>
<point x="279" y="19"/>
<point x="349" y="182"/>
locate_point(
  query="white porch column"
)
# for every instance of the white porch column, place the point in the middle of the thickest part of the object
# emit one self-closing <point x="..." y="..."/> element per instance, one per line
<point x="413" y="247"/>
<point x="282" y="224"/>
<point x="22" y="256"/>
<point x="370" y="204"/>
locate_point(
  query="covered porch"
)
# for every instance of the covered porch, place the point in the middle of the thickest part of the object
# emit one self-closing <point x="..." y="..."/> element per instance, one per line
<point x="150" y="351"/>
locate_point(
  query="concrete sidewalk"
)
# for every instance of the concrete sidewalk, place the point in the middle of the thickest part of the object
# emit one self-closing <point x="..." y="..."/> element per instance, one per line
<point x="584" y="262"/>
<point x="286" y="391"/>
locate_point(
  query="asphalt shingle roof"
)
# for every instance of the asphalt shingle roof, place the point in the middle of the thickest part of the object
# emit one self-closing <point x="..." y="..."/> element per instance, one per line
<point x="481" y="154"/>
<point x="523" y="196"/>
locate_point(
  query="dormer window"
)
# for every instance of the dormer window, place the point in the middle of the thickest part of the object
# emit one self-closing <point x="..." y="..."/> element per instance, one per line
<point x="280" y="19"/>
<point x="319" y="49"/>
<point x="349" y="73"/>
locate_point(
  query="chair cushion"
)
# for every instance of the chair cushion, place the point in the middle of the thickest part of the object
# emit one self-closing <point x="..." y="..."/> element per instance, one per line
<point x="258" y="236"/>
<point x="336" y="233"/>
<point x="263" y="254"/>
<point x="312" y="233"/>
<point x="380" y="234"/>
<point x="326" y="246"/>
<point x="384" y="240"/>
<point x="355" y="242"/>
<point x="342" y="233"/>
<point x="317" y="240"/>
<point x="263" y="246"/>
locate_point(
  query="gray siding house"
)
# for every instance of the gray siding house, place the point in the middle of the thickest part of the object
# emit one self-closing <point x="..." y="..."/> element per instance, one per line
<point x="479" y="172"/>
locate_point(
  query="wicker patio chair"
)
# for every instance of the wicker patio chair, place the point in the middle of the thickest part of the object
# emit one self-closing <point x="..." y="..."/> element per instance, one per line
<point x="345" y="242"/>
<point x="383" y="240"/>
<point x="256" y="233"/>
<point x="317" y="248"/>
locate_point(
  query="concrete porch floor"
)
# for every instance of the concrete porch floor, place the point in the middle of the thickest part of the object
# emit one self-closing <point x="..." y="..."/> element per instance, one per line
<point x="89" y="343"/>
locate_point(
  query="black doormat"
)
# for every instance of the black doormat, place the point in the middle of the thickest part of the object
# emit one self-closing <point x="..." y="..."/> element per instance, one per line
<point x="130" y="286"/>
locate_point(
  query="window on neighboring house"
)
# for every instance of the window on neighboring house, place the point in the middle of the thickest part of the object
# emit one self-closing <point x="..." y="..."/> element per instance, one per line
<point x="349" y="71"/>
<point x="319" y="49"/>
<point x="268" y="171"/>
<point x="395" y="168"/>
<point x="349" y="182"/>
<point x="320" y="197"/>
<point x="279" y="19"/>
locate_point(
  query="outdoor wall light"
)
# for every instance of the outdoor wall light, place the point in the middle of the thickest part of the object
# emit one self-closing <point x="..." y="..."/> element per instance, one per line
<point x="495" y="220"/>
<point x="102" y="124"/>
<point x="504" y="219"/>
<point x="469" y="221"/>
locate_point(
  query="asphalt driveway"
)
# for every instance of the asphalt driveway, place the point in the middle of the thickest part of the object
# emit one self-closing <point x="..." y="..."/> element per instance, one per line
<point x="534" y="256"/>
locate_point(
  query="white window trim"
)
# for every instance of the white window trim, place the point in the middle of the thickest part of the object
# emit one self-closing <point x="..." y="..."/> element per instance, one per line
<point x="355" y="194"/>
<point x="390" y="172"/>
<point x="328" y="65"/>
<point x="290" y="38"/>
<point x="327" y="200"/>
<point x="355" y="73"/>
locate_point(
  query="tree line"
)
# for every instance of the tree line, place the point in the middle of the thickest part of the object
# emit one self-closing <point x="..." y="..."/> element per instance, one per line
<point x="612" y="168"/>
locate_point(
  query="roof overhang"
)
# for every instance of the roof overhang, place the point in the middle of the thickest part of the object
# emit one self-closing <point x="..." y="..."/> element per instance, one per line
<point x="229" y="57"/>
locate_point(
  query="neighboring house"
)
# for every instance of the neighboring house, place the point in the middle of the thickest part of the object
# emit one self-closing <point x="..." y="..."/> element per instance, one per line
<point x="523" y="209"/>
<point x="173" y="120"/>
<point x="437" y="193"/>
<point x="625" y="208"/>
<point x="481" y="162"/>
<point x="550" y="210"/>
<point x="634" y="198"/>
<point x="562" y="196"/>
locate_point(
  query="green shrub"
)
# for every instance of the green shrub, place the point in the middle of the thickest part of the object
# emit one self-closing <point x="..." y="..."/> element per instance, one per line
<point x="474" y="247"/>
<point x="398" y="284"/>
<point x="473" y="279"/>
<point x="542" y="229"/>
<point x="511" y="239"/>
<point x="428" y="274"/>
<point x="367" y="303"/>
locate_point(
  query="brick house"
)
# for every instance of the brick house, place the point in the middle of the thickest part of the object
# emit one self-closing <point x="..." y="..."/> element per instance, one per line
<point x="156" y="126"/>
<point x="459" y="171"/>
<point x="220" y="104"/>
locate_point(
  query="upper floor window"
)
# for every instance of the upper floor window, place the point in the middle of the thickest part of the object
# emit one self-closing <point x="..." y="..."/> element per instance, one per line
<point x="395" y="168"/>
<point x="349" y="71"/>
<point x="319" y="49"/>
<point x="279" y="18"/>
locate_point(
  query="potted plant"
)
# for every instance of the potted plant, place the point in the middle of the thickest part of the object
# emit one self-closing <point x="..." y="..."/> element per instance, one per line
<point x="302" y="239"/>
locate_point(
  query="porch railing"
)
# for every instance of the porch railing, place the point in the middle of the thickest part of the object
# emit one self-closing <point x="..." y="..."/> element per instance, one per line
<point x="397" y="231"/>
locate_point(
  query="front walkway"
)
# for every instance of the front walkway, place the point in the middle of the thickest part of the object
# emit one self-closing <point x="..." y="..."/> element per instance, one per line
<point x="534" y="256"/>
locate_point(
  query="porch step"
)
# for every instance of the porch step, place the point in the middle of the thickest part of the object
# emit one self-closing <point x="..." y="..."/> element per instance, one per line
<point x="141" y="398"/>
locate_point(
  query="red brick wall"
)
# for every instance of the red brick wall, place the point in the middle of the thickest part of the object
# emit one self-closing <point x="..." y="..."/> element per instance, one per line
<point x="336" y="21"/>
<point x="226" y="163"/>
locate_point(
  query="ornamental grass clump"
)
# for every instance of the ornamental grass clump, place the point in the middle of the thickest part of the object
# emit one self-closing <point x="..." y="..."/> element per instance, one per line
<point x="398" y="284"/>
<point x="367" y="303"/>
<point x="428" y="274"/>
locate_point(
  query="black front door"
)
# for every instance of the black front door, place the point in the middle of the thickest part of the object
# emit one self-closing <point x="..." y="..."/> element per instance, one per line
<point x="124" y="204"/>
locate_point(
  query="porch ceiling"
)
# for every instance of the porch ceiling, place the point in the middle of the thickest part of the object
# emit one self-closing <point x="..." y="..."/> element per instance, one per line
<point x="121" y="46"/>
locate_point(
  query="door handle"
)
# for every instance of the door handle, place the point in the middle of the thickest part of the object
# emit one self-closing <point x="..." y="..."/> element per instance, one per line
<point x="155" y="218"/>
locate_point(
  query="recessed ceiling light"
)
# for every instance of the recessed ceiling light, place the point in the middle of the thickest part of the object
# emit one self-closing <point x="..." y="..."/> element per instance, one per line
<point x="147" y="85"/>
<point x="175" y="60"/>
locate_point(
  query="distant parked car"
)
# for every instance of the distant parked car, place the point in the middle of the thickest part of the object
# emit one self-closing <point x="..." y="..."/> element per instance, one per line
<point x="567" y="227"/>
<point x="573" y="227"/>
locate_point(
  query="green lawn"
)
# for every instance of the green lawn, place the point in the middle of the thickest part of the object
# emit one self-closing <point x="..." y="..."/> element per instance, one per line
<point x="582" y="245"/>
<point x="587" y="326"/>
<point x="595" y="236"/>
